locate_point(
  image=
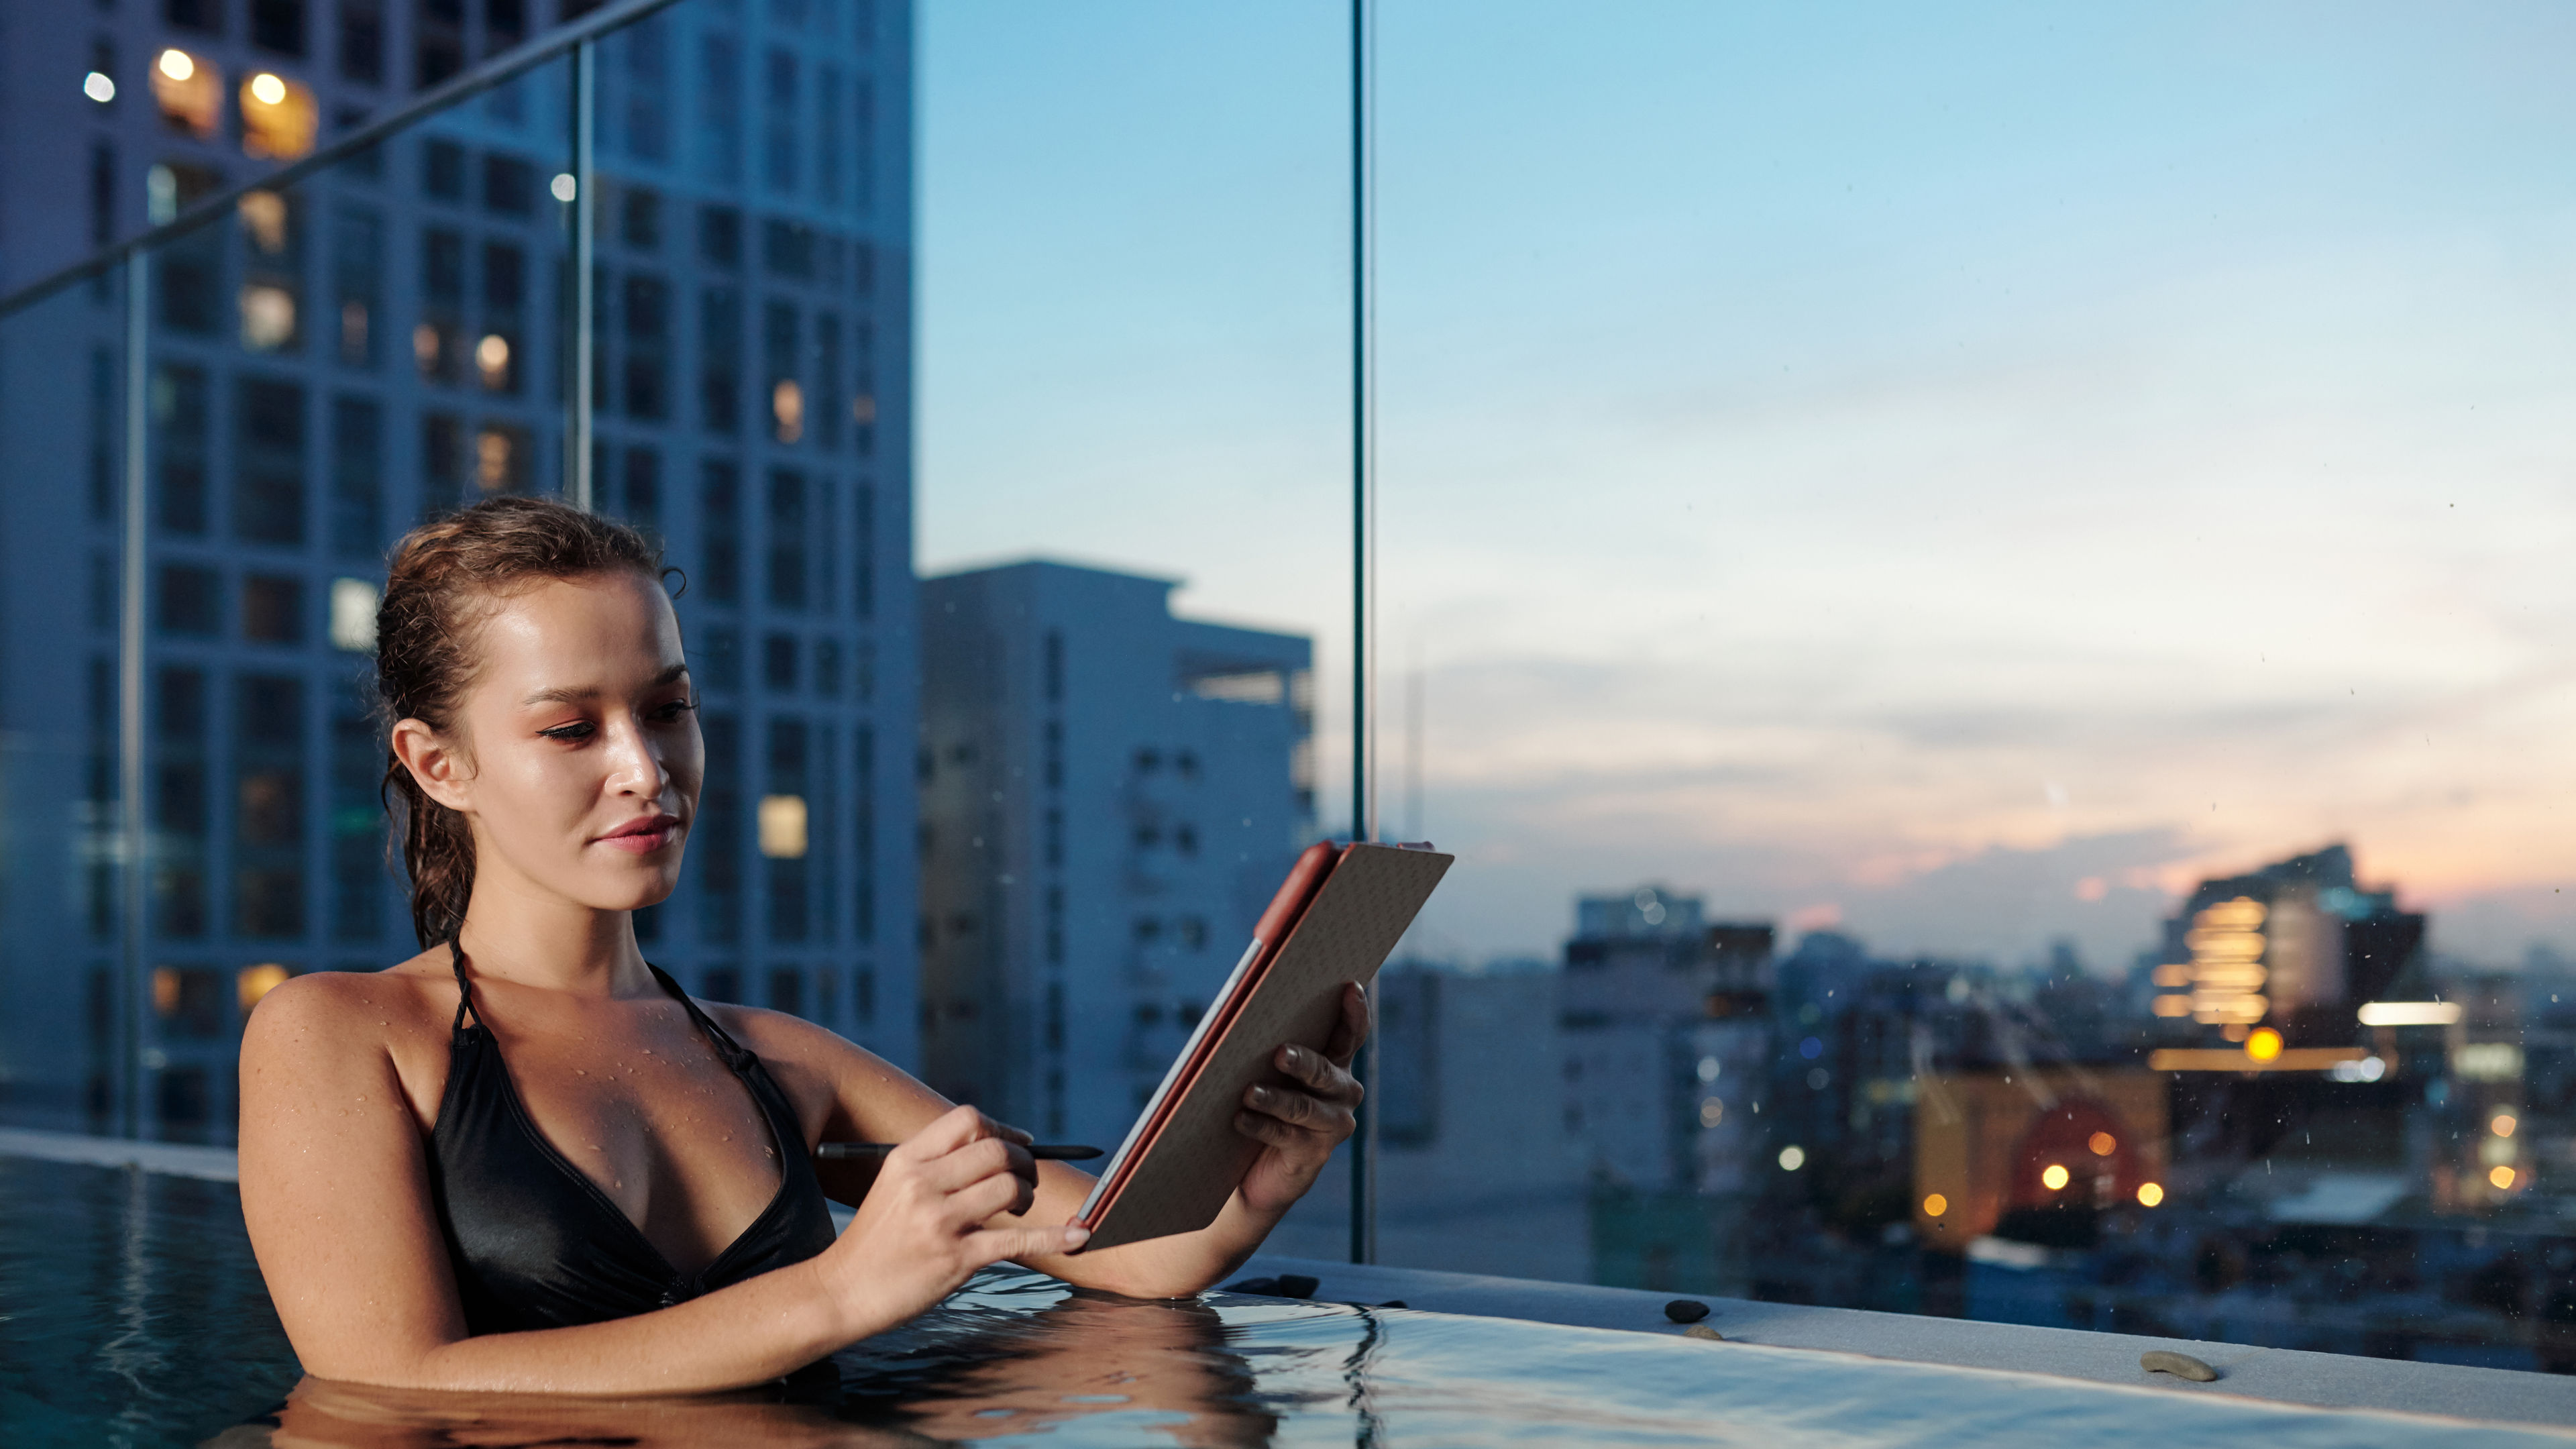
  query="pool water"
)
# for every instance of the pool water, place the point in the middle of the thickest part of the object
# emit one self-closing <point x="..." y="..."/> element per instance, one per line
<point x="131" y="1313"/>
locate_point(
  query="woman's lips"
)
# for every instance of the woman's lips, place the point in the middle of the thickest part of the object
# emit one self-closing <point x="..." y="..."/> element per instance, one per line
<point x="645" y="836"/>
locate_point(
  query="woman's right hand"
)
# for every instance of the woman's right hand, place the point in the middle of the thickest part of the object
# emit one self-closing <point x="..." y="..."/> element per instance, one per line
<point x="921" y="1232"/>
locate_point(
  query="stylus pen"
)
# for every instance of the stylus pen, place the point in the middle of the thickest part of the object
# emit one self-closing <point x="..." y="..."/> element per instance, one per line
<point x="873" y="1151"/>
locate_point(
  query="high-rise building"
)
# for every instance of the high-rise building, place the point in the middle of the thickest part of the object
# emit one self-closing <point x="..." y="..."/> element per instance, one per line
<point x="1109" y="796"/>
<point x="335" y="362"/>
<point x="2296" y="945"/>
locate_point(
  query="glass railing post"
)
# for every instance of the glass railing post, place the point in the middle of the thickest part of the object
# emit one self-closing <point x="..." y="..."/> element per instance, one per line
<point x="134" y="879"/>
<point x="578" y="483"/>
<point x="1363" y="578"/>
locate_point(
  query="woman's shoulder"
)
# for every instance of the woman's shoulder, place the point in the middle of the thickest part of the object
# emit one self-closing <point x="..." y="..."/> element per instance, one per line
<point x="784" y="1036"/>
<point x="353" y="1007"/>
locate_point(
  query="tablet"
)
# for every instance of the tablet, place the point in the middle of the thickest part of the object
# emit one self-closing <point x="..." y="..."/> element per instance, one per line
<point x="1334" y="920"/>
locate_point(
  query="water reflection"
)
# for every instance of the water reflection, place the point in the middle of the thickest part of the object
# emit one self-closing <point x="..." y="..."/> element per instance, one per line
<point x="1016" y="1354"/>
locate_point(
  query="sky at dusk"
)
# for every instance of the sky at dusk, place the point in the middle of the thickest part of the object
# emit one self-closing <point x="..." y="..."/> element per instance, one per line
<point x="1961" y="474"/>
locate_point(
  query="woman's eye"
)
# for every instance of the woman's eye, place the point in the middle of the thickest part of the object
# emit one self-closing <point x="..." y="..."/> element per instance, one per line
<point x="579" y="730"/>
<point x="671" y="712"/>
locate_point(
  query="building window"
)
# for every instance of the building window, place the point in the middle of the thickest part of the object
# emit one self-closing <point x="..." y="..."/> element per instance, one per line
<point x="720" y="983"/>
<point x="863" y="553"/>
<point x="437" y="343"/>
<point x="186" y="601"/>
<point x="358" y="878"/>
<point x="189" y="1000"/>
<point x="829" y="141"/>
<point x="509" y="185"/>
<point x="279" y="117"/>
<point x="786" y="394"/>
<point x="639" y="489"/>
<point x="189" y="91"/>
<point x="273" y="609"/>
<point x="787" y="249"/>
<point x="104" y="424"/>
<point x="178" y="446"/>
<point x="438" y="41"/>
<point x="498" y="357"/>
<point x="779" y="160"/>
<point x="863" y="859"/>
<point x="102" y="193"/>
<point x="268" y="819"/>
<point x="643" y="53"/>
<point x="206" y="16"/>
<point x="268" y="469"/>
<point x="645" y="375"/>
<point x="827" y="380"/>
<point x="719" y="108"/>
<point x="787" y="781"/>
<point x="720" y="359"/>
<point x="362" y="42"/>
<point x="442" y="463"/>
<point x="504" y="455"/>
<point x="778" y="663"/>
<point x="720" y="530"/>
<point x="788" y="533"/>
<point x="720" y="237"/>
<point x="357" y="476"/>
<point x="827" y="668"/>
<point x="1054" y="837"/>
<point x="272" y="276"/>
<point x="178" y="797"/>
<point x="718" y="835"/>
<point x="442" y="170"/>
<point x="787" y="990"/>
<point x="639" y="218"/>
<point x="721" y="660"/>
<point x="357" y="282"/>
<point x="187" y="273"/>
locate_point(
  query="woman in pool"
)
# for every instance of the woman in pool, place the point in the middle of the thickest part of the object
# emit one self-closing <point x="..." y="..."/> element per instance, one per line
<point x="630" y="1203"/>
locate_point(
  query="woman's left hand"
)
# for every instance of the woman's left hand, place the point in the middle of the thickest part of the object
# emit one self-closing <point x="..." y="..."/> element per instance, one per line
<point x="1301" y="1124"/>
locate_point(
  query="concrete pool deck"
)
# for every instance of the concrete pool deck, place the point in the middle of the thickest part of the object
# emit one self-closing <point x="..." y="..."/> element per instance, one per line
<point x="2323" y="1380"/>
<point x="2290" y="1376"/>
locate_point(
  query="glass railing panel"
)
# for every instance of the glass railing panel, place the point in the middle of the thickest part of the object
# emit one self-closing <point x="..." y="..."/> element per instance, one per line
<point x="1135" y="533"/>
<point x="1971" y="599"/>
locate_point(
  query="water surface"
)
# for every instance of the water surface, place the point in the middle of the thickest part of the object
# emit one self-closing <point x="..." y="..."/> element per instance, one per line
<point x="131" y="1314"/>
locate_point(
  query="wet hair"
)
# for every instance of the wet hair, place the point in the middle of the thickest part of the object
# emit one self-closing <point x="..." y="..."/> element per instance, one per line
<point x="444" y="579"/>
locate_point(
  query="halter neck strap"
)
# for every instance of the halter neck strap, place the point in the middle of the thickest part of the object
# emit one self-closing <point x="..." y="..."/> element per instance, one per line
<point x="464" y="988"/>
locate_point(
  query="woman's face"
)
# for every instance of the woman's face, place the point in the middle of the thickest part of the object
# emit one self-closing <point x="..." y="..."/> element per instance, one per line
<point x="576" y="755"/>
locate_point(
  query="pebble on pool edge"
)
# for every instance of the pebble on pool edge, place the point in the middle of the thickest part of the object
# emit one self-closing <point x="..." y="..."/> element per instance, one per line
<point x="1686" y="1310"/>
<point x="2180" y="1365"/>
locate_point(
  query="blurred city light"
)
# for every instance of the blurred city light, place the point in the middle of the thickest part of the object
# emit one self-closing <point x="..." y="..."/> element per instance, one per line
<point x="2150" y="1194"/>
<point x="1935" y="1205"/>
<point x="2054" y="1176"/>
<point x="98" y="87"/>
<point x="1792" y="1157"/>
<point x="2264" y="1045"/>
<point x="2410" y="1013"/>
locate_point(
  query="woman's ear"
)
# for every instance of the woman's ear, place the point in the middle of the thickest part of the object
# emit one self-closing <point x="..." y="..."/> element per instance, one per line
<point x="437" y="764"/>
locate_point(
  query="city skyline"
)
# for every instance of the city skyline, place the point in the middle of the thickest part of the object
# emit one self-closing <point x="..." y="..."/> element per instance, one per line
<point x="1963" y="476"/>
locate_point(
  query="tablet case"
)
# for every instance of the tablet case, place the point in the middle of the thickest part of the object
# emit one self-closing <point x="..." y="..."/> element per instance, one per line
<point x="1335" y="918"/>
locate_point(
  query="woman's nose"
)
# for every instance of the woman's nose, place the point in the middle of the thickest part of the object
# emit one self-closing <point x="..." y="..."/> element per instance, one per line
<point x="636" y="767"/>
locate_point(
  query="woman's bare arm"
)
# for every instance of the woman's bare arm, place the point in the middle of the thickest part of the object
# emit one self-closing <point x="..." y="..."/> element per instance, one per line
<point x="335" y="1191"/>
<point x="870" y="1100"/>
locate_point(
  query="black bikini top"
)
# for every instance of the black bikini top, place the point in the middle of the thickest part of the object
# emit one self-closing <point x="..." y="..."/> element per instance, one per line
<point x="536" y="1244"/>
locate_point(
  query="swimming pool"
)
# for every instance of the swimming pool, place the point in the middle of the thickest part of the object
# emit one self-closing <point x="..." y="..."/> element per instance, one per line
<point x="131" y="1313"/>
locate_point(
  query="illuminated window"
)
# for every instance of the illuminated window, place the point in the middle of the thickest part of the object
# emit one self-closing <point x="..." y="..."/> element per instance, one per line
<point x="501" y="457"/>
<point x="782" y="827"/>
<point x="253" y="982"/>
<point x="278" y="117"/>
<point x="189" y="91"/>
